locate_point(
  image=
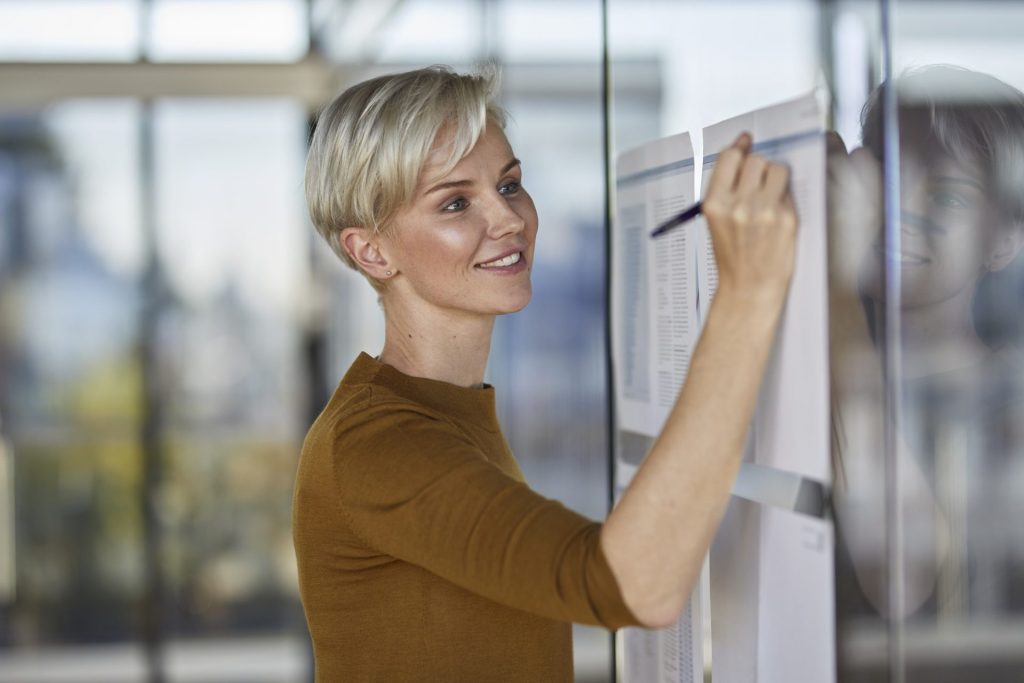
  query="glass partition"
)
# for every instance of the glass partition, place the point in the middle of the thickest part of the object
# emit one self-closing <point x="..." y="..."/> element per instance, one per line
<point x="154" y="265"/>
<point x="925" y="282"/>
<point x="169" y="324"/>
<point x="939" y="289"/>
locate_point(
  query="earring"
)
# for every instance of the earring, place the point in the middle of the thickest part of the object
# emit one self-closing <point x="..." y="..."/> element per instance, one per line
<point x="388" y="273"/>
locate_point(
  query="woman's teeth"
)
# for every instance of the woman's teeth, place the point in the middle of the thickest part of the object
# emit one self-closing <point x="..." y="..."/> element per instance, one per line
<point x="904" y="257"/>
<point x="509" y="260"/>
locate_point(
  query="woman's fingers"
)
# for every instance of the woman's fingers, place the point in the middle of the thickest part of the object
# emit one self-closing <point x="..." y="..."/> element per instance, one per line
<point x="752" y="221"/>
<point x="743" y="142"/>
<point x="727" y="169"/>
<point x="752" y="175"/>
<point x="738" y="174"/>
<point x="776" y="182"/>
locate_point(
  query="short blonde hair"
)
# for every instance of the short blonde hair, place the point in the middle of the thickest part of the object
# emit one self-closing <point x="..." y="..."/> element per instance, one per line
<point x="372" y="141"/>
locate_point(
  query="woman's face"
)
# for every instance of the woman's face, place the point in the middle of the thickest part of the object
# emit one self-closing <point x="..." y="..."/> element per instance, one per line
<point x="948" y="223"/>
<point x="464" y="244"/>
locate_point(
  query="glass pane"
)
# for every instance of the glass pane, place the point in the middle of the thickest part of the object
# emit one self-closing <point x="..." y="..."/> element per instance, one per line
<point x="534" y="31"/>
<point x="428" y="31"/>
<point x="685" y="90"/>
<point x="228" y="30"/>
<point x="69" y="30"/>
<point x="926" y="305"/>
<point x="961" y="380"/>
<point x="233" y="243"/>
<point x="229" y="380"/>
<point x="71" y="391"/>
<point x="677" y="67"/>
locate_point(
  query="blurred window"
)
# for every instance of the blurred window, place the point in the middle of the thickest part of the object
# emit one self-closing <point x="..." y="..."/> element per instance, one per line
<point x="69" y="30"/>
<point x="228" y="30"/>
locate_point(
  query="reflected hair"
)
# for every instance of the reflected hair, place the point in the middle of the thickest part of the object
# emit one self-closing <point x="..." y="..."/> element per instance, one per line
<point x="978" y="119"/>
<point x="972" y="116"/>
<point x="371" y="142"/>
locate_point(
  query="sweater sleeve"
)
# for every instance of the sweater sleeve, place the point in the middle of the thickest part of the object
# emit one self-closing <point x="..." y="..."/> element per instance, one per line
<point x="413" y="487"/>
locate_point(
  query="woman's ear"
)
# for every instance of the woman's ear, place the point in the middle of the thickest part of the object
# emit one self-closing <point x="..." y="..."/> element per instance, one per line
<point x="1006" y="246"/>
<point x="363" y="247"/>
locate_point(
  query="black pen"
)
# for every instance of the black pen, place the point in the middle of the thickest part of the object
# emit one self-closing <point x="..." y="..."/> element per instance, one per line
<point x="676" y="221"/>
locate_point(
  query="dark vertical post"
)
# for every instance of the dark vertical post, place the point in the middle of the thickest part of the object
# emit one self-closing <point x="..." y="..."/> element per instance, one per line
<point x="152" y="427"/>
<point x="314" y="336"/>
<point x="606" y="124"/>
<point x="315" y="354"/>
<point x="152" y="417"/>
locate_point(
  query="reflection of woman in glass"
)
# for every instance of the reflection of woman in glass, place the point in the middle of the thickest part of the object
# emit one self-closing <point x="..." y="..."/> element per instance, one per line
<point x="961" y="230"/>
<point x="422" y="553"/>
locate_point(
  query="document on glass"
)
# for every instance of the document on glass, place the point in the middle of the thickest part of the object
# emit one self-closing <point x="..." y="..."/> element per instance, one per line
<point x="772" y="596"/>
<point x="790" y="430"/>
<point x="655" y="300"/>
<point x="669" y="655"/>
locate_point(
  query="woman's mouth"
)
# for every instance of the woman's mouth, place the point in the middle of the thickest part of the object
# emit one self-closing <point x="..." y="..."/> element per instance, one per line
<point x="905" y="258"/>
<point x="509" y="263"/>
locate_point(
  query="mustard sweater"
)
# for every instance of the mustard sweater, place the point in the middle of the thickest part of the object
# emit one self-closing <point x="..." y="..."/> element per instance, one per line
<point x="422" y="553"/>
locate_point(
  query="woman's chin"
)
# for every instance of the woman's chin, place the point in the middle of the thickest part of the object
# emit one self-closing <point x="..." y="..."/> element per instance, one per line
<point x="516" y="304"/>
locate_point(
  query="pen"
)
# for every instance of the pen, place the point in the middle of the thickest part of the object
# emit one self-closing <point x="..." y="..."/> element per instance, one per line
<point x="685" y="216"/>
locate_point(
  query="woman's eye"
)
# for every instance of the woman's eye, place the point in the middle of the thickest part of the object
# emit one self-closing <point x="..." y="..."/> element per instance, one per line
<point x="949" y="200"/>
<point x="510" y="187"/>
<point x="456" y="205"/>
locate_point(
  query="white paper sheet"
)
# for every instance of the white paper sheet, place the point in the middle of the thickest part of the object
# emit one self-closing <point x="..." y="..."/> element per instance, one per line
<point x="655" y="312"/>
<point x="771" y="575"/>
<point x="772" y="605"/>
<point x="675" y="654"/>
<point x="670" y="655"/>
<point x="790" y="429"/>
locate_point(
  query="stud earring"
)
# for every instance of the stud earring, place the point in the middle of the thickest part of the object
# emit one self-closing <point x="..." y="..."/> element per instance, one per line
<point x="388" y="273"/>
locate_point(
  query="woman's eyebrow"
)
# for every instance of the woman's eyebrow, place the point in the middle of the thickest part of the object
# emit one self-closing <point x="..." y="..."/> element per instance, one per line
<point x="963" y="181"/>
<point x="462" y="183"/>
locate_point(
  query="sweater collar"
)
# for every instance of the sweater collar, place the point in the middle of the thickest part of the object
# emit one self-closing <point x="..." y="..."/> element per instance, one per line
<point x="476" y="405"/>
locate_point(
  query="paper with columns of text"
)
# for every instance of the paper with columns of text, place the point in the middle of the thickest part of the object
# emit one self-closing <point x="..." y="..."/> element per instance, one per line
<point x="676" y="654"/>
<point x="655" y="307"/>
<point x="791" y="426"/>
<point x="771" y="568"/>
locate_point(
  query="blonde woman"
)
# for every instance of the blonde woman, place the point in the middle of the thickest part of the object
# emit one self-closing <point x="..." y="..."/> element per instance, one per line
<point x="422" y="552"/>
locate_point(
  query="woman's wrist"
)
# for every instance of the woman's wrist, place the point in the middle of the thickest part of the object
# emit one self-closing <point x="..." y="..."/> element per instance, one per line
<point x="756" y="306"/>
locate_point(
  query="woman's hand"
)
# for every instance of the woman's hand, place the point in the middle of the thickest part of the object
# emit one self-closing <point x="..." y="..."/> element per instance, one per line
<point x="657" y="536"/>
<point x="854" y="194"/>
<point x="753" y="223"/>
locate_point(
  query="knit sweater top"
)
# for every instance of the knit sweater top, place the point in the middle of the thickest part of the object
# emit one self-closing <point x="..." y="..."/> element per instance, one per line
<point x="422" y="553"/>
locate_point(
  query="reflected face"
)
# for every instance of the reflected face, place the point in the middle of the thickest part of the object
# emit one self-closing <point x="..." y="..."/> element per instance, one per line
<point x="465" y="243"/>
<point x="948" y="224"/>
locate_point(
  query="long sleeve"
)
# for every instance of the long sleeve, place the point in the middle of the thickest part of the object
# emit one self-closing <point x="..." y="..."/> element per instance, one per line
<point x="413" y="487"/>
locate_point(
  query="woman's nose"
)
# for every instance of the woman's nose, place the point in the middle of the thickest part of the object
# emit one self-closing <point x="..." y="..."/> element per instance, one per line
<point x="505" y="220"/>
<point x="913" y="222"/>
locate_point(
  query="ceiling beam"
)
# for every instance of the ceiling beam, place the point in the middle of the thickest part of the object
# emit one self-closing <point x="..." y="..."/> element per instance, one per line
<point x="311" y="80"/>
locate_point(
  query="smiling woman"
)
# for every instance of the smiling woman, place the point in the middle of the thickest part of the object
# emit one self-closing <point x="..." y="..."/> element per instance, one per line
<point x="960" y="269"/>
<point x="476" y="225"/>
<point x="422" y="552"/>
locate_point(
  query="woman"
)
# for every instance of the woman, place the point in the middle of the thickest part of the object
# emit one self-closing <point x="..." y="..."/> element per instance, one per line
<point x="961" y="161"/>
<point x="422" y="553"/>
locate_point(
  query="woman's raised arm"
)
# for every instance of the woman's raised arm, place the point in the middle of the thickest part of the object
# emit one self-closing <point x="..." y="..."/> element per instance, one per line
<point x="657" y="536"/>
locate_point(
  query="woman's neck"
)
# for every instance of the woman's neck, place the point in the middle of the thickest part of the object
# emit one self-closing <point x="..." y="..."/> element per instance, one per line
<point x="437" y="345"/>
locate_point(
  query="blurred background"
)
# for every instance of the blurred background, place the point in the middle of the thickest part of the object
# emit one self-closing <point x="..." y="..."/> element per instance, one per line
<point x="170" y="325"/>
